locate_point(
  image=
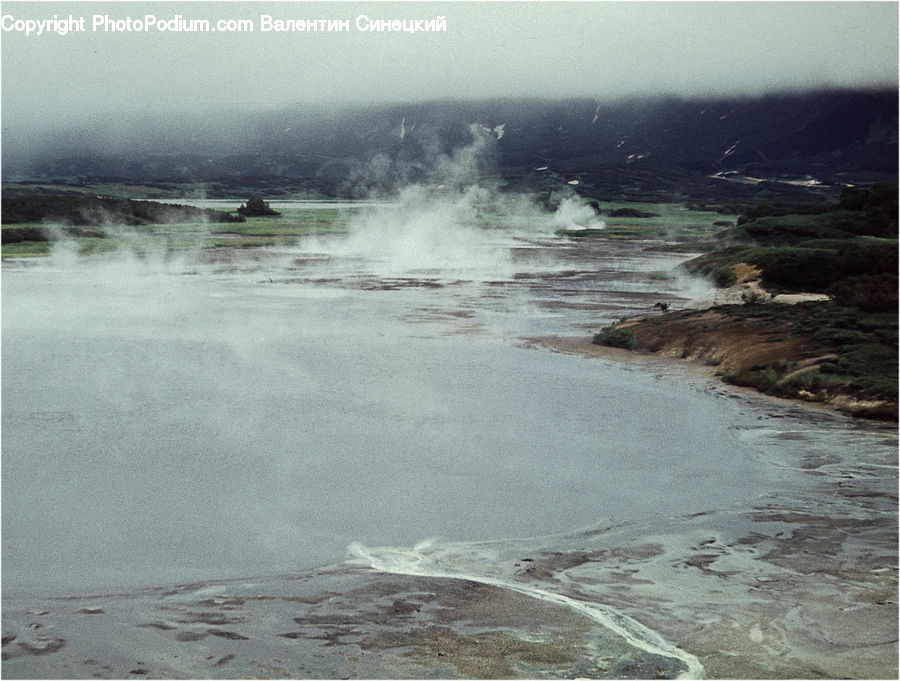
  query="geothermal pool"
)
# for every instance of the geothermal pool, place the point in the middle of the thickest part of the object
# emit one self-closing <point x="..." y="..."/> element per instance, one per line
<point x="205" y="416"/>
<point x="343" y="458"/>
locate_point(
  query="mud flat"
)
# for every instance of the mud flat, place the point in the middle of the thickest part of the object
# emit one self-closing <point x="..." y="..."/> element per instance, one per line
<point x="339" y="623"/>
<point x="806" y="591"/>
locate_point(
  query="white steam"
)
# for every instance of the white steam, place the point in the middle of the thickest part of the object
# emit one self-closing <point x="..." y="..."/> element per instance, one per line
<point x="454" y="221"/>
<point x="699" y="292"/>
<point x="575" y="214"/>
<point x="437" y="224"/>
<point x="427" y="229"/>
<point x="467" y="166"/>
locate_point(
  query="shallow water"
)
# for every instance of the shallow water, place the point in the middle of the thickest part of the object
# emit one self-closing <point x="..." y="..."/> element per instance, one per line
<point x="202" y="417"/>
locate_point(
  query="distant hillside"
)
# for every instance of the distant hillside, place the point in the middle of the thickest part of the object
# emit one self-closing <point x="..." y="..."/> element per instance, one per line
<point x="98" y="211"/>
<point x="834" y="137"/>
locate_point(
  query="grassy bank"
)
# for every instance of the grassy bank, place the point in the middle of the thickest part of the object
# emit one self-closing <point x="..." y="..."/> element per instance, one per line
<point x="817" y="352"/>
<point x="842" y="351"/>
<point x="35" y="239"/>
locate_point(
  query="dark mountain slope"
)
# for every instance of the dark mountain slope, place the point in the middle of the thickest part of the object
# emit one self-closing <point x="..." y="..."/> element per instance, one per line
<point x="837" y="137"/>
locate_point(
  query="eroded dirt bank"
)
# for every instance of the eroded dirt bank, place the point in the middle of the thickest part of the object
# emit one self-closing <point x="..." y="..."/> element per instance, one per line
<point x="758" y="346"/>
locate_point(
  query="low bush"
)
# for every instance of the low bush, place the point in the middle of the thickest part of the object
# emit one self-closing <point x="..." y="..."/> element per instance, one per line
<point x="615" y="337"/>
<point x="873" y="293"/>
<point x="789" y="229"/>
<point x="813" y="265"/>
<point x="14" y="235"/>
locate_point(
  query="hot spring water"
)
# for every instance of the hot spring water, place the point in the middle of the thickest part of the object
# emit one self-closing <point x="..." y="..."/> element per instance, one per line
<point x="168" y="419"/>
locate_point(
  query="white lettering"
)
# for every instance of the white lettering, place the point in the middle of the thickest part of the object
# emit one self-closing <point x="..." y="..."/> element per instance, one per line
<point x="267" y="24"/>
<point x="175" y="24"/>
<point x="178" y="23"/>
<point x="235" y="25"/>
<point x="60" y="26"/>
<point x="364" y="23"/>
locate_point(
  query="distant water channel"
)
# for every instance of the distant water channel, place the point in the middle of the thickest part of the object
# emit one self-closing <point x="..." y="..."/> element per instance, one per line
<point x="254" y="412"/>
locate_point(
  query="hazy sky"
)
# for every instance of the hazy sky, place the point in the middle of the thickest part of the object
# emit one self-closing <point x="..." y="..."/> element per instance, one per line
<point x="596" y="49"/>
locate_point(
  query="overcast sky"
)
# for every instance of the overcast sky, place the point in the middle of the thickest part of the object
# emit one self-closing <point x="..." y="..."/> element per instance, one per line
<point x="549" y="49"/>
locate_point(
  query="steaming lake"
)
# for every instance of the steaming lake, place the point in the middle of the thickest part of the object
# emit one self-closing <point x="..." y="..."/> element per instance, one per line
<point x="238" y="413"/>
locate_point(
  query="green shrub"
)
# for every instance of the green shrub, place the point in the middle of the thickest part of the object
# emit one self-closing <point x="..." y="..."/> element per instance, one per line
<point x="839" y="336"/>
<point x="877" y="203"/>
<point x="873" y="293"/>
<point x="763" y="378"/>
<point x="789" y="229"/>
<point x="614" y="337"/>
<point x="723" y="276"/>
<point x="14" y="235"/>
<point x="814" y="265"/>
